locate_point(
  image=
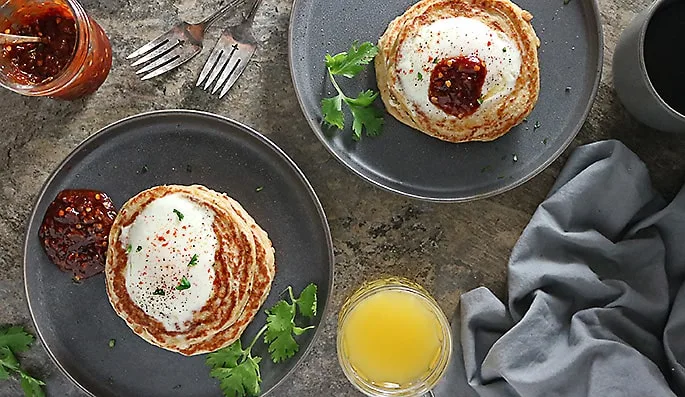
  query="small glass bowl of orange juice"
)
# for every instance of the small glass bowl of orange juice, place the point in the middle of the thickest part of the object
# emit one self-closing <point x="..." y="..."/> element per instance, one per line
<point x="393" y="339"/>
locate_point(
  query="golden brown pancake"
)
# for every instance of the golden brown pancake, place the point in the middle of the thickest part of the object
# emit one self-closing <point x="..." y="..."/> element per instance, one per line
<point x="152" y="245"/>
<point x="432" y="32"/>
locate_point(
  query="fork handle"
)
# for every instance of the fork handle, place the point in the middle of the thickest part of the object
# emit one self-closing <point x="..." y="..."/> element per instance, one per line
<point x="210" y="20"/>
<point x="253" y="9"/>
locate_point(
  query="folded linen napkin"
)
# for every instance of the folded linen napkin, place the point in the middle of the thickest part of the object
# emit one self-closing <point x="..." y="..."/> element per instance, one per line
<point x="596" y="301"/>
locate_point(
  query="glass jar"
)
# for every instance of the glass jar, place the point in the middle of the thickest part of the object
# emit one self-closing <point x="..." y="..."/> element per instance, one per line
<point x="73" y="60"/>
<point x="439" y="329"/>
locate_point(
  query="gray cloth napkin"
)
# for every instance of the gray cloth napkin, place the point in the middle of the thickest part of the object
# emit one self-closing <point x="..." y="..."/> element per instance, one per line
<point x="596" y="297"/>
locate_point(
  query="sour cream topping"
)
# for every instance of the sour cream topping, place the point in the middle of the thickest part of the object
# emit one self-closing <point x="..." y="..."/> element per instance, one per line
<point x="171" y="246"/>
<point x="454" y="37"/>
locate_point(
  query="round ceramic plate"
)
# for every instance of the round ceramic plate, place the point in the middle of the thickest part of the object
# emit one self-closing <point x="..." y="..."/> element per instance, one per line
<point x="408" y="162"/>
<point x="76" y="322"/>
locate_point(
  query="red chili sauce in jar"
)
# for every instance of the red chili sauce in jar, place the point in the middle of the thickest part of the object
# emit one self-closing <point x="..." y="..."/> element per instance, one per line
<point x="37" y="63"/>
<point x="75" y="231"/>
<point x="73" y="60"/>
<point x="456" y="85"/>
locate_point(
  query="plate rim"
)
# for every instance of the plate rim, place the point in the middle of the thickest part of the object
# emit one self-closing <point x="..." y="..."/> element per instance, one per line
<point x="316" y="128"/>
<point x="195" y="113"/>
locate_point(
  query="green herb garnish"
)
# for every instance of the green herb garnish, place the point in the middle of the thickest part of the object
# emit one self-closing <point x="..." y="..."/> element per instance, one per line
<point x="349" y="64"/>
<point x="158" y="291"/>
<point x="419" y="76"/>
<point x="15" y="340"/>
<point x="480" y="100"/>
<point x="111" y="343"/>
<point x="193" y="261"/>
<point x="504" y="49"/>
<point x="128" y="248"/>
<point x="259" y="189"/>
<point x="183" y="284"/>
<point x="238" y="370"/>
<point x="178" y="214"/>
<point x="536" y="125"/>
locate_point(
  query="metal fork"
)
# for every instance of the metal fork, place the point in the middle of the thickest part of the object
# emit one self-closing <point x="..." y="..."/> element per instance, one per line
<point x="177" y="46"/>
<point x="230" y="55"/>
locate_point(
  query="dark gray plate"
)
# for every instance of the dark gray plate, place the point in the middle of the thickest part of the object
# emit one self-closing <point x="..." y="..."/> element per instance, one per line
<point x="411" y="163"/>
<point x="76" y="321"/>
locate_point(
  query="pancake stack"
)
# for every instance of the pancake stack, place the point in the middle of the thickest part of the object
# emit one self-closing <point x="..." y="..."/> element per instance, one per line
<point x="187" y="268"/>
<point x="496" y="33"/>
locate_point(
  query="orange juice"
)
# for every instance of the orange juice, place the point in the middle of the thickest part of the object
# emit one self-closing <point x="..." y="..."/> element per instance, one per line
<point x="393" y="339"/>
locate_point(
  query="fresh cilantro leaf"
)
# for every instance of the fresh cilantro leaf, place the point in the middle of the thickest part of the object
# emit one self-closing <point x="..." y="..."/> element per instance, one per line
<point x="193" y="261"/>
<point x="16" y="339"/>
<point x="242" y="380"/>
<point x="332" y="112"/>
<point x="282" y="345"/>
<point x="280" y="317"/>
<point x="364" y="99"/>
<point x="183" y="284"/>
<point x="419" y="76"/>
<point x="159" y="291"/>
<point x="226" y="357"/>
<point x="128" y="249"/>
<point x="279" y="329"/>
<point x="112" y="343"/>
<point x="4" y="375"/>
<point x="31" y="386"/>
<point x="307" y="301"/>
<point x="178" y="214"/>
<point x="368" y="118"/>
<point x="8" y="360"/>
<point x="350" y="63"/>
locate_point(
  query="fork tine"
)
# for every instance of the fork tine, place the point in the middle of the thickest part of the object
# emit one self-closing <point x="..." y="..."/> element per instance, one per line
<point x="176" y="62"/>
<point x="159" y="62"/>
<point x="218" y="68"/>
<point x="239" y="69"/>
<point x="225" y="74"/>
<point x="209" y="65"/>
<point x="159" y="51"/>
<point x="149" y="46"/>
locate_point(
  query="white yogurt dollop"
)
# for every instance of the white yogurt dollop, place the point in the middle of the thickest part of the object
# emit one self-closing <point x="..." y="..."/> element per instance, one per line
<point x="163" y="250"/>
<point x="454" y="37"/>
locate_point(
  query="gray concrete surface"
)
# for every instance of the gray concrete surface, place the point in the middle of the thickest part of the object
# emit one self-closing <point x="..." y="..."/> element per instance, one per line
<point x="448" y="248"/>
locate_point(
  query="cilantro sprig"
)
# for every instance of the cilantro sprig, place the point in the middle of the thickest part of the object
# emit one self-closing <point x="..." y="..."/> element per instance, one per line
<point x="15" y="340"/>
<point x="349" y="64"/>
<point x="238" y="370"/>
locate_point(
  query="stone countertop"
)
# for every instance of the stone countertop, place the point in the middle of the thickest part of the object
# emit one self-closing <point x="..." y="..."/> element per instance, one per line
<point x="449" y="248"/>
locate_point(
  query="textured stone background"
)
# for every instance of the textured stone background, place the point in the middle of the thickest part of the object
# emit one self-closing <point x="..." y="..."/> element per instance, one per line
<point x="448" y="248"/>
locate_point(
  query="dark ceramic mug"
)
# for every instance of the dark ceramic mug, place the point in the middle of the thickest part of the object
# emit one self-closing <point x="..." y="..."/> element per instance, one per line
<point x="649" y="75"/>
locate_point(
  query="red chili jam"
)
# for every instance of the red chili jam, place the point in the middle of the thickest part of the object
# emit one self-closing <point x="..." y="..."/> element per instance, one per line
<point x="38" y="63"/>
<point x="456" y="85"/>
<point x="75" y="231"/>
<point x="73" y="60"/>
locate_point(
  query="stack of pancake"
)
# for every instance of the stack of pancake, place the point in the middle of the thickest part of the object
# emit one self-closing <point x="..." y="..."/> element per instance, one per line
<point x="497" y="33"/>
<point x="187" y="268"/>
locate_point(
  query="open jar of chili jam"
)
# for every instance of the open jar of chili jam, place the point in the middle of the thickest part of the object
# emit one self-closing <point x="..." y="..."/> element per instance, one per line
<point x="73" y="59"/>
